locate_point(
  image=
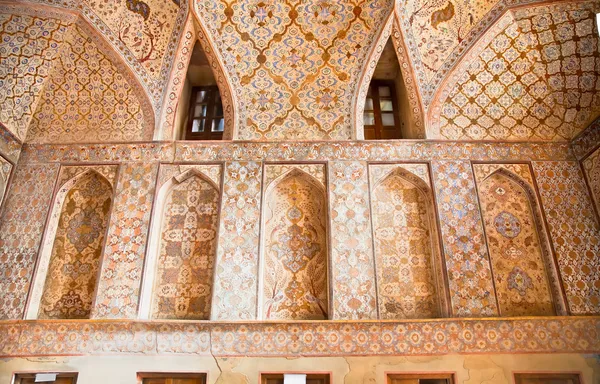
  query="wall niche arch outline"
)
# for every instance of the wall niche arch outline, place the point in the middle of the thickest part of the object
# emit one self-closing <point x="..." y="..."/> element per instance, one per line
<point x="180" y="262"/>
<point x="294" y="252"/>
<point x="409" y="264"/>
<point x="71" y="255"/>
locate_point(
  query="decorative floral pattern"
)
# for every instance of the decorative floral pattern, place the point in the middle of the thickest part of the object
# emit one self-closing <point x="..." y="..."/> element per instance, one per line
<point x="575" y="232"/>
<point x="295" y="250"/>
<point x="88" y="98"/>
<point x="21" y="228"/>
<point x="293" y="64"/>
<point x="236" y="283"/>
<point x="353" y="270"/>
<point x="5" y="170"/>
<point x="516" y="254"/>
<point x="403" y="248"/>
<point x="591" y="167"/>
<point x="409" y="338"/>
<point x="119" y="286"/>
<point x="30" y="42"/>
<point x="462" y="235"/>
<point x="78" y="244"/>
<point x="533" y="76"/>
<point x="187" y="251"/>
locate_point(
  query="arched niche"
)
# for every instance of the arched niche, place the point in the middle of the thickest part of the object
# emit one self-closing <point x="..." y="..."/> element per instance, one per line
<point x="179" y="271"/>
<point x="521" y="263"/>
<point x="70" y="260"/>
<point x="294" y="249"/>
<point x="407" y="256"/>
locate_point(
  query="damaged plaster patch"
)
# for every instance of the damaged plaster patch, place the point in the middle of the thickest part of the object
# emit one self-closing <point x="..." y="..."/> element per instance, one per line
<point x="483" y="370"/>
<point x="227" y="376"/>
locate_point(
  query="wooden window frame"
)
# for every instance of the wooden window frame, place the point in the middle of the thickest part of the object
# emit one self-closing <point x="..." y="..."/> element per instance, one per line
<point x="172" y="375"/>
<point x="439" y="376"/>
<point x="207" y="134"/>
<point x="378" y="127"/>
<point x="520" y="376"/>
<point x="18" y="376"/>
<point x="265" y="376"/>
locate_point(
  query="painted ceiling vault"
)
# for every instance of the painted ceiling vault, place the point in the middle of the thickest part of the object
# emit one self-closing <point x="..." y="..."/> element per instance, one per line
<point x="294" y="64"/>
<point x="299" y="69"/>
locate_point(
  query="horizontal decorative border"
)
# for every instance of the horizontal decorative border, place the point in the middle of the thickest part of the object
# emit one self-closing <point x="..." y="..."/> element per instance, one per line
<point x="364" y="338"/>
<point x="183" y="151"/>
<point x="587" y="141"/>
<point x="10" y="146"/>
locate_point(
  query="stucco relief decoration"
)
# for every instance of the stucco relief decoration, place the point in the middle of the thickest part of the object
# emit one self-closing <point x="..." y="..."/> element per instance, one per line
<point x="295" y="251"/>
<point x="591" y="167"/>
<point x="75" y="260"/>
<point x="574" y="230"/>
<point x="29" y="44"/>
<point x="188" y="244"/>
<point x="294" y="64"/>
<point x="518" y="267"/>
<point x="88" y="97"/>
<point x="533" y="76"/>
<point x="21" y="227"/>
<point x="402" y="232"/>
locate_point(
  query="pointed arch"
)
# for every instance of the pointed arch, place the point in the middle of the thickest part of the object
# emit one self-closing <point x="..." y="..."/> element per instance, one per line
<point x="70" y="258"/>
<point x="408" y="262"/>
<point x="525" y="275"/>
<point x="180" y="262"/>
<point x="294" y="275"/>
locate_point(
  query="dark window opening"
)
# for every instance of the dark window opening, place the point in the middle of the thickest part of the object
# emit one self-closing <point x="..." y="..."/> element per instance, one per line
<point x="381" y="117"/>
<point x="206" y="121"/>
<point x="200" y="112"/>
<point x="277" y="378"/>
<point x="546" y="378"/>
<point x="387" y="113"/>
<point x="172" y="378"/>
<point x="46" y="378"/>
<point x="433" y="378"/>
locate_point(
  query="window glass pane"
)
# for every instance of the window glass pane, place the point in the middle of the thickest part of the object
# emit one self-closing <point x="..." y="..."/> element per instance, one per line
<point x="386" y="105"/>
<point x="384" y="92"/>
<point x="200" y="111"/>
<point x="369" y="104"/>
<point x="218" y="107"/>
<point x="387" y="119"/>
<point x="198" y="126"/>
<point x="201" y="96"/>
<point x="218" y="125"/>
<point x="369" y="118"/>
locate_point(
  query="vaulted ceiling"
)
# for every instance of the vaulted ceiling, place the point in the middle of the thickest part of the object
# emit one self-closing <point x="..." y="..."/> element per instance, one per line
<point x="292" y="69"/>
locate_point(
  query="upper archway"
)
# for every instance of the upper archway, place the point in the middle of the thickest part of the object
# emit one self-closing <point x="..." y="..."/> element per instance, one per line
<point x="293" y="64"/>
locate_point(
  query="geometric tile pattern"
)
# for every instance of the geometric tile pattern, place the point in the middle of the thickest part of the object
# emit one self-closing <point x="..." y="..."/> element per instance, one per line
<point x="591" y="167"/>
<point x="295" y="248"/>
<point x="236" y="284"/>
<point x="293" y="64"/>
<point x="575" y="232"/>
<point x="587" y="141"/>
<point x="21" y="228"/>
<point x="28" y="46"/>
<point x="516" y="255"/>
<point x="531" y="335"/>
<point x="403" y="247"/>
<point x="73" y="271"/>
<point x="120" y="278"/>
<point x="536" y="79"/>
<point x="353" y="266"/>
<point x="87" y="98"/>
<point x="183" y="284"/>
<point x="467" y="261"/>
<point x="10" y="147"/>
